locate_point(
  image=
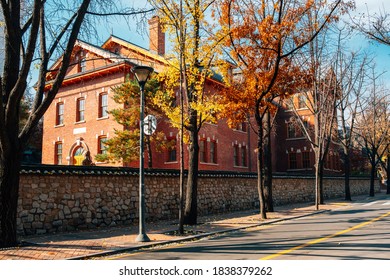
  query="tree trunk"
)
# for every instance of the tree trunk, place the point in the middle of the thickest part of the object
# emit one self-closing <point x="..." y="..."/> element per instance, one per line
<point x="191" y="207"/>
<point x="13" y="86"/>
<point x="181" y="92"/>
<point x="347" y="164"/>
<point x="388" y="174"/>
<point x="268" y="166"/>
<point x="321" y="182"/>
<point x="181" y="181"/>
<point x="9" y="192"/>
<point x="317" y="179"/>
<point x="372" y="178"/>
<point x="260" y="172"/>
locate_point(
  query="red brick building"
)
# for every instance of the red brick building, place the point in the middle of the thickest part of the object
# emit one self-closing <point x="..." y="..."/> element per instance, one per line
<point x="77" y="124"/>
<point x="292" y="152"/>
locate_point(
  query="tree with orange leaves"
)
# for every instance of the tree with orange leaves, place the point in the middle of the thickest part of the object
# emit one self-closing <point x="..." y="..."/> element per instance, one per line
<point x="263" y="36"/>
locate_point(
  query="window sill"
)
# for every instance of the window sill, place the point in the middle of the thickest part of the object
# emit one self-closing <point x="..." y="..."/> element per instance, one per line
<point x="239" y="166"/>
<point x="237" y="130"/>
<point x="209" y="163"/>
<point x="333" y="170"/>
<point x="299" y="169"/>
<point x="101" y="162"/>
<point x="80" y="122"/>
<point x="296" y="138"/>
<point x="59" y="125"/>
<point x="102" y="118"/>
<point x="170" y="162"/>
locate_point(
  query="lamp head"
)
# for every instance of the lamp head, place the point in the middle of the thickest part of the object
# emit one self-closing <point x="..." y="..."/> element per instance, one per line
<point x="142" y="74"/>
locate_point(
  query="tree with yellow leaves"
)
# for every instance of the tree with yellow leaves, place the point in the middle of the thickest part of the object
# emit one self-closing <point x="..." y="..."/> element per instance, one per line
<point x="190" y="77"/>
<point x="263" y="36"/>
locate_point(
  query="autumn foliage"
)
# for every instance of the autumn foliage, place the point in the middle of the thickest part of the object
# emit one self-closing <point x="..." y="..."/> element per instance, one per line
<point x="262" y="38"/>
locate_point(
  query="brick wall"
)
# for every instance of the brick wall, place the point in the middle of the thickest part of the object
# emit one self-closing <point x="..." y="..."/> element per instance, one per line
<point x="64" y="199"/>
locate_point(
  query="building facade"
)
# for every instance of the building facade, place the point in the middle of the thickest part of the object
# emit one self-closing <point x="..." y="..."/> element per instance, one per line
<point x="77" y="123"/>
<point x="291" y="144"/>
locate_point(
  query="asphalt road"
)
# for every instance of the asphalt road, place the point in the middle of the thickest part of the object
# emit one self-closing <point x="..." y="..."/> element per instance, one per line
<point x="360" y="231"/>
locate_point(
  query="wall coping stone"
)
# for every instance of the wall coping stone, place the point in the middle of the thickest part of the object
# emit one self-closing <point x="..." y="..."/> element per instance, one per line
<point x="127" y="171"/>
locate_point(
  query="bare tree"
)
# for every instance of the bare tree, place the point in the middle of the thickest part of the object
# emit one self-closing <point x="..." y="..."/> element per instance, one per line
<point x="315" y="112"/>
<point x="35" y="32"/>
<point x="375" y="26"/>
<point x="351" y="71"/>
<point x="373" y="126"/>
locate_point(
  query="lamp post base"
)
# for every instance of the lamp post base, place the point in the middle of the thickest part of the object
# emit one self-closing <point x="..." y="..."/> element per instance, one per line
<point x="142" y="237"/>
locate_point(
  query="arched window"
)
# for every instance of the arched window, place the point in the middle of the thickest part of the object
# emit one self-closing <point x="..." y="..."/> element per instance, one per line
<point x="78" y="156"/>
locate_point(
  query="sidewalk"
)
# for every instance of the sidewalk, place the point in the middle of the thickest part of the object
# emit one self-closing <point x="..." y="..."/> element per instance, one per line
<point x="82" y="244"/>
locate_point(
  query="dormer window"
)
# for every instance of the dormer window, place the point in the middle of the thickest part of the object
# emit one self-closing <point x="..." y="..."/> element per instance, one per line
<point x="82" y="63"/>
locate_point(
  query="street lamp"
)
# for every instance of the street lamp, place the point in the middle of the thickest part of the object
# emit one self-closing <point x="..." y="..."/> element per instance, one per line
<point x="142" y="74"/>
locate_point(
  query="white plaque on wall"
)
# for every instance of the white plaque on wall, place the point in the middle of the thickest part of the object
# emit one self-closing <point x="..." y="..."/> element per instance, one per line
<point x="79" y="130"/>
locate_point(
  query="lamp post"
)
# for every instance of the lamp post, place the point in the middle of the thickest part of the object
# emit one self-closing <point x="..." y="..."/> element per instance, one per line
<point x="142" y="74"/>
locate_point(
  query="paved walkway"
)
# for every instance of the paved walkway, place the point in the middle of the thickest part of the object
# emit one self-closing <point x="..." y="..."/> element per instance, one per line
<point x="83" y="244"/>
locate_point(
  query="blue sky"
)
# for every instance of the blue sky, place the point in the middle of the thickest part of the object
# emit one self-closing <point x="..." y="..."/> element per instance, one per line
<point x="380" y="52"/>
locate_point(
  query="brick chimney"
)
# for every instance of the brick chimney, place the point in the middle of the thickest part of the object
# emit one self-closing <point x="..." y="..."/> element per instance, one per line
<point x="156" y="36"/>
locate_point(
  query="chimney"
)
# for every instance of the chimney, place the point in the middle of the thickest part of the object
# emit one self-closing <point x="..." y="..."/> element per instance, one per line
<point x="156" y="36"/>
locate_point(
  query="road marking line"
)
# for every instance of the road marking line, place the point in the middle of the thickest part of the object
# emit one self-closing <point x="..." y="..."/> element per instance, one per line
<point x="319" y="240"/>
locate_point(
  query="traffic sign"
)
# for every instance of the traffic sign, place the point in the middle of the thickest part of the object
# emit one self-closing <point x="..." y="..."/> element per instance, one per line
<point x="150" y="124"/>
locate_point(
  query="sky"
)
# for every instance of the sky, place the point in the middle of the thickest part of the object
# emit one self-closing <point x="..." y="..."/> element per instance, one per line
<point x="380" y="52"/>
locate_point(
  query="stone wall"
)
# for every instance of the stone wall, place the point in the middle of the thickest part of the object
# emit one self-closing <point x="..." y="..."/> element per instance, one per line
<point x="56" y="200"/>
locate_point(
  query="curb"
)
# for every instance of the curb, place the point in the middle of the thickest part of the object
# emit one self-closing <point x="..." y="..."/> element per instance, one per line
<point x="190" y="238"/>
